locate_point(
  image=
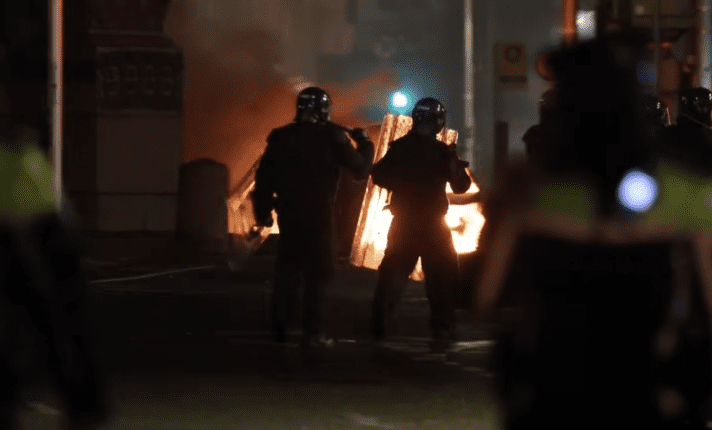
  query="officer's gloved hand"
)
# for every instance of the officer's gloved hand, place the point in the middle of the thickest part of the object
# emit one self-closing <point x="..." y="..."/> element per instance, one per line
<point x="266" y="221"/>
<point x="359" y="135"/>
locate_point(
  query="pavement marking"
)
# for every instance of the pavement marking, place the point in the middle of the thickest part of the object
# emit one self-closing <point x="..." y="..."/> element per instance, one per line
<point x="41" y="408"/>
<point x="153" y="275"/>
<point x="431" y="357"/>
<point x="475" y="344"/>
<point x="416" y="348"/>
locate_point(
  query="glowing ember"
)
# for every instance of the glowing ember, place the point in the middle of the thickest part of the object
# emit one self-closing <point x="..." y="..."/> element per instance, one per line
<point x="465" y="220"/>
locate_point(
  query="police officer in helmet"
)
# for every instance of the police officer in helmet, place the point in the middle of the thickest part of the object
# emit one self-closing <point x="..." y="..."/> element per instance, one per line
<point x="656" y="110"/>
<point x="604" y="253"/>
<point x="696" y="105"/>
<point x="298" y="177"/>
<point x="415" y="170"/>
<point x="313" y="105"/>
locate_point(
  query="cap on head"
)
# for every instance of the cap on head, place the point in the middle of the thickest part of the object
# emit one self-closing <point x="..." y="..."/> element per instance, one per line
<point x="313" y="103"/>
<point x="429" y="116"/>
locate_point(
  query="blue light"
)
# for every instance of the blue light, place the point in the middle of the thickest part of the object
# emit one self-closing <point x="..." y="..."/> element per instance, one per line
<point x="402" y="101"/>
<point x="399" y="100"/>
<point x="637" y="191"/>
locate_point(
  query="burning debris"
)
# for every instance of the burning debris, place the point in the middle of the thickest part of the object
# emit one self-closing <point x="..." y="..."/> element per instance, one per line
<point x="464" y="216"/>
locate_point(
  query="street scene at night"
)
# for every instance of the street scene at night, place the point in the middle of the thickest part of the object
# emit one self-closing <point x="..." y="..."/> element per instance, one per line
<point x="355" y="214"/>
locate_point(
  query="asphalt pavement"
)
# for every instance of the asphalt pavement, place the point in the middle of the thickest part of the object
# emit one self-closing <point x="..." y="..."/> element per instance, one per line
<point x="188" y="347"/>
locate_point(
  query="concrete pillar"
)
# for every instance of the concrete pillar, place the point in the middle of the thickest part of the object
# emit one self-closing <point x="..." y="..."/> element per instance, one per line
<point x="202" y="205"/>
<point x="123" y="115"/>
<point x="705" y="43"/>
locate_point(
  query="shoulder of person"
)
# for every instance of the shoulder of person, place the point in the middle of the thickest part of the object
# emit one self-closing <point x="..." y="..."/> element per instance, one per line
<point x="401" y="142"/>
<point x="278" y="132"/>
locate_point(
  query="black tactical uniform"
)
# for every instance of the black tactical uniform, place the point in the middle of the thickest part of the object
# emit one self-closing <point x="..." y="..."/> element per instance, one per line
<point x="298" y="176"/>
<point x="604" y="298"/>
<point x="415" y="170"/>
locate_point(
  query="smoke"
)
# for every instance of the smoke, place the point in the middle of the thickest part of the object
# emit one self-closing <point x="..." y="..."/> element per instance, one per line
<point x="234" y="94"/>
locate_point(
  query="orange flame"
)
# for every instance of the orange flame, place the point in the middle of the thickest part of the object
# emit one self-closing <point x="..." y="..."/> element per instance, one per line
<point x="236" y="91"/>
<point x="465" y="220"/>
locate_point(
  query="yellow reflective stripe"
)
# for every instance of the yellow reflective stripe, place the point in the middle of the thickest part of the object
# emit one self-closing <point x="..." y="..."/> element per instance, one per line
<point x="566" y="198"/>
<point x="26" y="187"/>
<point x="685" y="199"/>
<point x="600" y="232"/>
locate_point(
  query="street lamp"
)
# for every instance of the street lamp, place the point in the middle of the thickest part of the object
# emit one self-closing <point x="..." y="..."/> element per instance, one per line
<point x="55" y="93"/>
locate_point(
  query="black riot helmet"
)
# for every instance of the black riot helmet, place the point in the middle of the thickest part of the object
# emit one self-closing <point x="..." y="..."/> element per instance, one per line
<point x="313" y="105"/>
<point x="655" y="109"/>
<point x="696" y="103"/>
<point x="428" y="116"/>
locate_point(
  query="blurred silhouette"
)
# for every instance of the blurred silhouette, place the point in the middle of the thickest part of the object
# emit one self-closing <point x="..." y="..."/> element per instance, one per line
<point x="415" y="170"/>
<point x="597" y="264"/>
<point x="298" y="176"/>
<point x="656" y="110"/>
<point x="42" y="281"/>
<point x="537" y="135"/>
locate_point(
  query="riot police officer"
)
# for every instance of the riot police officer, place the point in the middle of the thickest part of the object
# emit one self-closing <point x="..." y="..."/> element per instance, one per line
<point x="298" y="177"/>
<point x="604" y="255"/>
<point x="415" y="170"/>
<point x="656" y="110"/>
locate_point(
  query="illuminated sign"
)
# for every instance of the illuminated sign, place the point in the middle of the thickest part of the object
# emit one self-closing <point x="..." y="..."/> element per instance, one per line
<point x="511" y="63"/>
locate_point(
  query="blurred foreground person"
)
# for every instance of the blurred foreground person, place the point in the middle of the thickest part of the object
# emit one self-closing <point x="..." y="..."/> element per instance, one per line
<point x="598" y="266"/>
<point x="415" y="170"/>
<point x="42" y="281"/>
<point x="298" y="176"/>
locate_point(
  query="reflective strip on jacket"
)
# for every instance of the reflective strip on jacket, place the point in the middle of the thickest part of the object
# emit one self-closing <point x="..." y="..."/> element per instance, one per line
<point x="26" y="186"/>
<point x="567" y="210"/>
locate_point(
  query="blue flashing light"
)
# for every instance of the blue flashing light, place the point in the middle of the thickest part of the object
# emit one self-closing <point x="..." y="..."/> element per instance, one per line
<point x="399" y="100"/>
<point x="637" y="191"/>
<point x="402" y="101"/>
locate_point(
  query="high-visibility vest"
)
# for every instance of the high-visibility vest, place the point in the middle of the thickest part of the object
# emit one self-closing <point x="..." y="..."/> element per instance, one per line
<point x="26" y="180"/>
<point x="568" y="210"/>
<point x="683" y="203"/>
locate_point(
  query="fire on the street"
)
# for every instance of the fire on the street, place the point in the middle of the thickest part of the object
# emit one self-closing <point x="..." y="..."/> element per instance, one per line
<point x="464" y="216"/>
<point x="465" y="220"/>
